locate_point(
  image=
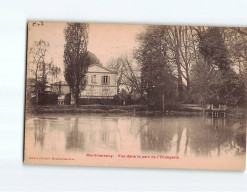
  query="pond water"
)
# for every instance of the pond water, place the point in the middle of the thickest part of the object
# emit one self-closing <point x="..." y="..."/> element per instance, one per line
<point x="197" y="137"/>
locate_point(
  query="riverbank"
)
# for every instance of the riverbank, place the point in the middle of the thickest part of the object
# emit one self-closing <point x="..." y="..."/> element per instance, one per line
<point x="173" y="110"/>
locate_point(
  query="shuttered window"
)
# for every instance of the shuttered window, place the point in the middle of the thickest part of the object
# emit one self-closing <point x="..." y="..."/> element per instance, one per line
<point x="105" y="80"/>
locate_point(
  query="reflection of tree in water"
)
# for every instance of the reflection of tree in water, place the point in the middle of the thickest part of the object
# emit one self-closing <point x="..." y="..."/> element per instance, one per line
<point x="239" y="129"/>
<point x="202" y="138"/>
<point x="187" y="140"/>
<point x="74" y="138"/>
<point x="240" y="140"/>
<point x="179" y="133"/>
<point x="154" y="136"/>
<point x="39" y="134"/>
<point x="213" y="136"/>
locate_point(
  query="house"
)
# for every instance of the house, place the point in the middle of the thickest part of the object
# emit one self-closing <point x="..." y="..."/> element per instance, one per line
<point x="101" y="83"/>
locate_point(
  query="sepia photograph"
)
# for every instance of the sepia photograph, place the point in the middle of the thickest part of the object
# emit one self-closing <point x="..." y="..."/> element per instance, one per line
<point x="135" y="95"/>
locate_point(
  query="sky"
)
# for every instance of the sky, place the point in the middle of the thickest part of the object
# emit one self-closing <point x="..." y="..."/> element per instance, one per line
<point x="106" y="41"/>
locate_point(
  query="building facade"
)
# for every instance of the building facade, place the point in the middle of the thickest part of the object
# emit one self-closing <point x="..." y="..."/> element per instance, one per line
<point x="101" y="82"/>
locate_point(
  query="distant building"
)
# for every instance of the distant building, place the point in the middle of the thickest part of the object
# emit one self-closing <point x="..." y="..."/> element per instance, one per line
<point x="60" y="88"/>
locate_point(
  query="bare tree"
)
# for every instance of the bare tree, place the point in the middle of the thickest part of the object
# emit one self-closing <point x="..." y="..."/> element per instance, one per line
<point x="38" y="52"/>
<point x="128" y="74"/>
<point x="182" y="52"/>
<point x="54" y="71"/>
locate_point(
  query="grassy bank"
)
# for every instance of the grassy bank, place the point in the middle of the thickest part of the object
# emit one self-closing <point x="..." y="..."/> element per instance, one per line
<point x="180" y="110"/>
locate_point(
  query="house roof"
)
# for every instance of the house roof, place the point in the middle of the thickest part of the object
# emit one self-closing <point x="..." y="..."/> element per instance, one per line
<point x="100" y="66"/>
<point x="64" y="83"/>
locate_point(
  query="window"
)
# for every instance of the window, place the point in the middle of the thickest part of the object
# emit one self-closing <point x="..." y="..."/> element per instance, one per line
<point x="93" y="79"/>
<point x="105" y="80"/>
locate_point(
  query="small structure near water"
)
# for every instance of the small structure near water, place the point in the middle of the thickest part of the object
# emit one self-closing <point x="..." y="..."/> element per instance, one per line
<point x="214" y="111"/>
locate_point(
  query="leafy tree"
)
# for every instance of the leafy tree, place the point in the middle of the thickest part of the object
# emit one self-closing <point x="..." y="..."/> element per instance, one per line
<point x="220" y="82"/>
<point x="76" y="59"/>
<point x="156" y="74"/>
<point x="213" y="49"/>
<point x="93" y="59"/>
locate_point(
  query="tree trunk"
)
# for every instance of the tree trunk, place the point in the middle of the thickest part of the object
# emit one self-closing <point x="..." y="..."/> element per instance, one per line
<point x="36" y="91"/>
<point x="188" y="80"/>
<point x="77" y="93"/>
<point x="180" y="81"/>
<point x="177" y="58"/>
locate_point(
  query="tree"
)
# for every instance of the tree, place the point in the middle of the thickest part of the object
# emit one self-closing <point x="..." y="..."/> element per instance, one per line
<point x="93" y="59"/>
<point x="156" y="73"/>
<point x="173" y="38"/>
<point x="117" y="64"/>
<point x="76" y="59"/>
<point x="54" y="71"/>
<point x="128" y="74"/>
<point x="221" y="83"/>
<point x="238" y="48"/>
<point x="182" y="54"/>
<point x="45" y="69"/>
<point x="38" y="52"/>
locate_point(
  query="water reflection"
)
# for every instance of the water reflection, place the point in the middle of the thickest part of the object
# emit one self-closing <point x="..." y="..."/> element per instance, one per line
<point x="75" y="138"/>
<point x="39" y="134"/>
<point x="183" y="136"/>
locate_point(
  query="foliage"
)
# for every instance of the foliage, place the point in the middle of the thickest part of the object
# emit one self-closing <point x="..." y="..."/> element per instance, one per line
<point x="54" y="71"/>
<point x="213" y="49"/>
<point x="76" y="59"/>
<point x="156" y="74"/>
<point x="93" y="58"/>
<point x="220" y="83"/>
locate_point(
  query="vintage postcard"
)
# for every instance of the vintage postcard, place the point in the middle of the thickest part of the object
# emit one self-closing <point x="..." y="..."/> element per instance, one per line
<point x="124" y="95"/>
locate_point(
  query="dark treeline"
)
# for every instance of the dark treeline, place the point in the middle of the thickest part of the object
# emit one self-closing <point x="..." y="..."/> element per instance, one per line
<point x="202" y="65"/>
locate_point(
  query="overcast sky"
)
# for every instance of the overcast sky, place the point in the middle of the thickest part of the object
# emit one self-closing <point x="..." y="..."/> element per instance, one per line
<point x="106" y="41"/>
